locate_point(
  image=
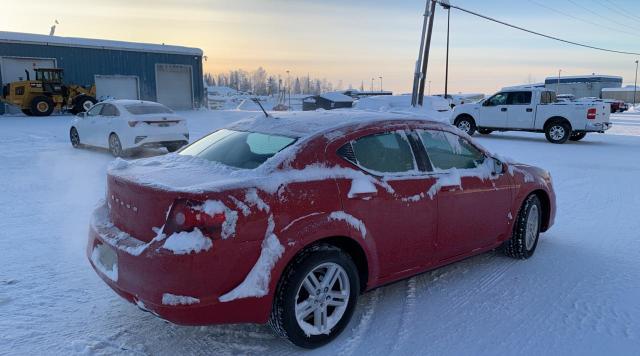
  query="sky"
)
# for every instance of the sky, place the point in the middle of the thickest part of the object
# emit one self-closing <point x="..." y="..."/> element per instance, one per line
<point x="355" y="41"/>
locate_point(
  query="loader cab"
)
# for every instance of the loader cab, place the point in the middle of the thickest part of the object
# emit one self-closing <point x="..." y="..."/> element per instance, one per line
<point x="51" y="79"/>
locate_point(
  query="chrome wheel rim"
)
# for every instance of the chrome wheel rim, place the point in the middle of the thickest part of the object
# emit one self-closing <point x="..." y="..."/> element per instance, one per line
<point x="557" y="133"/>
<point x="114" y="144"/>
<point x="465" y="126"/>
<point x="87" y="105"/>
<point x="533" y="224"/>
<point x="322" y="299"/>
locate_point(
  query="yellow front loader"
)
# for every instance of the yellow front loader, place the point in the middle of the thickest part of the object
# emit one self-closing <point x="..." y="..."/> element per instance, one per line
<point x="47" y="92"/>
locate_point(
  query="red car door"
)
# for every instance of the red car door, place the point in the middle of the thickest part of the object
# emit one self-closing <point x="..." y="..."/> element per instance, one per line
<point x="473" y="204"/>
<point x="390" y="199"/>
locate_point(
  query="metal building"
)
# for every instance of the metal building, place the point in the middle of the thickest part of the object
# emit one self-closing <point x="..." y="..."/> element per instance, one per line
<point x="582" y="86"/>
<point x="623" y="94"/>
<point x="171" y="75"/>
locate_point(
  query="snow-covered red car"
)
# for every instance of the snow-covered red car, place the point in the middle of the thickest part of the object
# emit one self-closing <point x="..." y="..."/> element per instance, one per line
<point x="288" y="220"/>
<point x="125" y="125"/>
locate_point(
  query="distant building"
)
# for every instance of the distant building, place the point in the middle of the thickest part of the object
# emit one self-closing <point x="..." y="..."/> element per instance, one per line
<point x="582" y="86"/>
<point x="171" y="75"/>
<point x="623" y="94"/>
<point x="357" y="94"/>
<point x="327" y="101"/>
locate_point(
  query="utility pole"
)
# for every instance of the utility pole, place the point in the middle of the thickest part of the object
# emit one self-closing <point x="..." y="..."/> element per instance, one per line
<point x="425" y="62"/>
<point x="417" y="76"/>
<point x="372" y="79"/>
<point x="446" y="71"/>
<point x="635" y="85"/>
<point x="380" y="82"/>
<point x="289" y="87"/>
<point x="559" y="74"/>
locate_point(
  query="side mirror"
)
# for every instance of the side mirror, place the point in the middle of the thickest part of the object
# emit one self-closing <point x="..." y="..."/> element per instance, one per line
<point x="81" y="115"/>
<point x="485" y="103"/>
<point x="497" y="167"/>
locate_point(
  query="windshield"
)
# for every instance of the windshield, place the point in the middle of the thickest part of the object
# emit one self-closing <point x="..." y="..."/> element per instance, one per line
<point x="143" y="109"/>
<point x="238" y="149"/>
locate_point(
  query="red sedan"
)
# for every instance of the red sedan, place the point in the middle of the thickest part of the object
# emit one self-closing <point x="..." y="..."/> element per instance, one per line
<point x="287" y="220"/>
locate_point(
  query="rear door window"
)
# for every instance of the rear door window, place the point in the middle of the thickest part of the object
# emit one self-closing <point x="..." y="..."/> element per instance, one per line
<point x="519" y="98"/>
<point x="383" y="153"/>
<point x="109" y="110"/>
<point x="447" y="151"/>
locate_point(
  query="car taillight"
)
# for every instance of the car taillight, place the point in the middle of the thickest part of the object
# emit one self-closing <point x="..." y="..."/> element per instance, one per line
<point x="187" y="215"/>
<point x="591" y="114"/>
<point x="133" y="123"/>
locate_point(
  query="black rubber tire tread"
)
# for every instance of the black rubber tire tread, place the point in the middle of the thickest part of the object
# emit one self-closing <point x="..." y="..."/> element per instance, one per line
<point x="283" y="322"/>
<point x="78" y="101"/>
<point x="564" y="124"/>
<point x="472" y="123"/>
<point x="121" y="153"/>
<point x="578" y="136"/>
<point x="27" y="112"/>
<point x="79" y="143"/>
<point x="34" y="106"/>
<point x="516" y="246"/>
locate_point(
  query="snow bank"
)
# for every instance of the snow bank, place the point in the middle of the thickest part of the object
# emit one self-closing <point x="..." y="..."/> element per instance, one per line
<point x="434" y="108"/>
<point x="351" y="220"/>
<point x="172" y="299"/>
<point x="182" y="243"/>
<point x="111" y="273"/>
<point x="256" y="284"/>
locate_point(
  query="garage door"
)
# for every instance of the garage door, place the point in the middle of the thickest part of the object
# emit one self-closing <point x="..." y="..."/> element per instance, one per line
<point x="173" y="86"/>
<point x="13" y="68"/>
<point x="116" y="87"/>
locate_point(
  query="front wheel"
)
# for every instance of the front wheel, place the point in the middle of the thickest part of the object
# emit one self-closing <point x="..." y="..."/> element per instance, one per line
<point x="115" y="147"/>
<point x="578" y="136"/>
<point x="526" y="230"/>
<point x="466" y="125"/>
<point x="74" y="137"/>
<point x="316" y="297"/>
<point x="558" y="132"/>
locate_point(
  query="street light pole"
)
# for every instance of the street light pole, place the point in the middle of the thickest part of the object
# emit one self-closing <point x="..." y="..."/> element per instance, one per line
<point x="558" y="88"/>
<point x="635" y="85"/>
<point x="446" y="72"/>
<point x="289" y="87"/>
<point x="380" y="82"/>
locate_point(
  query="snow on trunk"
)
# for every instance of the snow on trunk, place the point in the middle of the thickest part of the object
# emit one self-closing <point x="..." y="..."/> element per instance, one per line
<point x="182" y="243"/>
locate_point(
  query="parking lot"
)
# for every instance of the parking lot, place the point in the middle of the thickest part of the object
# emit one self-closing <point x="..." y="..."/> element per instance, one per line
<point x="582" y="284"/>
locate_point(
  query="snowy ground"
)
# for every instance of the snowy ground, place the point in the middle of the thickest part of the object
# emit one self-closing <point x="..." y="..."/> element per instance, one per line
<point x="578" y="295"/>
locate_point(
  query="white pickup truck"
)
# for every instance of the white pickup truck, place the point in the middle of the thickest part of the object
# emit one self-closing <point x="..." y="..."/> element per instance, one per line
<point x="534" y="110"/>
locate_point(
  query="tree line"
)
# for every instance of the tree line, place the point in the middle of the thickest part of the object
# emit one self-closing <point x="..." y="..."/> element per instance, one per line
<point x="260" y="82"/>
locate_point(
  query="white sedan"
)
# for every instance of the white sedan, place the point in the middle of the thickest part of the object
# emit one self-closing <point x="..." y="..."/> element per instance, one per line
<point x="124" y="125"/>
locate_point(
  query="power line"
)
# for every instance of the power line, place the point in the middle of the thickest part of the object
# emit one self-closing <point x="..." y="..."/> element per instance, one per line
<point x="615" y="9"/>
<point x="583" y="20"/>
<point x="534" y="32"/>
<point x="585" y="8"/>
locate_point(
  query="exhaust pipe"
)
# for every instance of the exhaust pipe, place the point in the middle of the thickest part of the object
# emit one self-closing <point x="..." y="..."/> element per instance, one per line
<point x="27" y="72"/>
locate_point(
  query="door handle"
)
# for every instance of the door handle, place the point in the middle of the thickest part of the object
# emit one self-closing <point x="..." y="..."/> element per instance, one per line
<point x="503" y="109"/>
<point x="529" y="110"/>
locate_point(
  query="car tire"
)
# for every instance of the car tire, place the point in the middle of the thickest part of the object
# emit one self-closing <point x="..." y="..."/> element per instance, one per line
<point x="41" y="106"/>
<point x="466" y="124"/>
<point x="557" y="132"/>
<point x="526" y="230"/>
<point x="115" y="147"/>
<point x="295" y="288"/>
<point x="578" y="136"/>
<point x="484" y="131"/>
<point x="74" y="137"/>
<point x="172" y="147"/>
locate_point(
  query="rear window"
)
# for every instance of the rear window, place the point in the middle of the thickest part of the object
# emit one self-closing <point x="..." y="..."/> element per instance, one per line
<point x="238" y="149"/>
<point x="143" y="109"/>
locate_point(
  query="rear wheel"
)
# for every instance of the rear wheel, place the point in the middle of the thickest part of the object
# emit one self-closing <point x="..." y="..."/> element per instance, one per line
<point x="115" y="147"/>
<point x="41" y="106"/>
<point x="74" y="137"/>
<point x="557" y="132"/>
<point x="466" y="124"/>
<point x="578" y="136"/>
<point x="316" y="297"/>
<point x="526" y="231"/>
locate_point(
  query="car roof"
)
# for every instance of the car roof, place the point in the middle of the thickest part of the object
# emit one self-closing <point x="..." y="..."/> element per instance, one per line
<point x="313" y="123"/>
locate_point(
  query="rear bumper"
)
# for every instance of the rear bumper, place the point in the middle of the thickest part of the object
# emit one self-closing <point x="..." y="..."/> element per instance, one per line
<point x="598" y="126"/>
<point x="155" y="279"/>
<point x="156" y="140"/>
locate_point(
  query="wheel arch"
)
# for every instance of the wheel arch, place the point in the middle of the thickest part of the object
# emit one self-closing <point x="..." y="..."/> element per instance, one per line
<point x="545" y="201"/>
<point x="556" y="119"/>
<point x="462" y="116"/>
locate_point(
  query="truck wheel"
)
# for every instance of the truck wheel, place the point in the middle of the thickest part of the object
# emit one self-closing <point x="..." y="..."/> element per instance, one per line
<point x="578" y="136"/>
<point x="557" y="132"/>
<point x="27" y="112"/>
<point x="526" y="230"/>
<point x="316" y="297"/>
<point x="466" y="124"/>
<point x="41" y="106"/>
<point x="485" y="131"/>
<point x="83" y="103"/>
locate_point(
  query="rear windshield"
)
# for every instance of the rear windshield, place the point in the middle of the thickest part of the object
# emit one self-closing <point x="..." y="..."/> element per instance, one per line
<point x="238" y="149"/>
<point x="143" y="109"/>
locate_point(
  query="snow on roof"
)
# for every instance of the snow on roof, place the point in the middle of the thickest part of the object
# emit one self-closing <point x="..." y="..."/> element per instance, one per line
<point x="337" y="97"/>
<point x="30" y="38"/>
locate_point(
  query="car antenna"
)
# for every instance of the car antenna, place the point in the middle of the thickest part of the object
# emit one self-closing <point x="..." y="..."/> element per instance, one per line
<point x="257" y="101"/>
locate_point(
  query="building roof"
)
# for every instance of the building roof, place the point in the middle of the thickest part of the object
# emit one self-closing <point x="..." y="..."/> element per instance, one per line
<point x="30" y="38"/>
<point x="337" y="97"/>
<point x="583" y="79"/>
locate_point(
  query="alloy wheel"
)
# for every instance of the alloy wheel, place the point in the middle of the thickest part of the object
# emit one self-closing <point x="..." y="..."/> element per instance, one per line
<point x="557" y="132"/>
<point x="533" y="225"/>
<point x="464" y="126"/>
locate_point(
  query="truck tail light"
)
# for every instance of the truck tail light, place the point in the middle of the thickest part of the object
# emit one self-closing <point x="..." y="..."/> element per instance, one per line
<point x="186" y="215"/>
<point x="591" y="113"/>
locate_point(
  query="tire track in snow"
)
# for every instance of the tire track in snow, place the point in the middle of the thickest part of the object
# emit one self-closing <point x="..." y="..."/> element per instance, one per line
<point x="408" y="311"/>
<point x="363" y="325"/>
